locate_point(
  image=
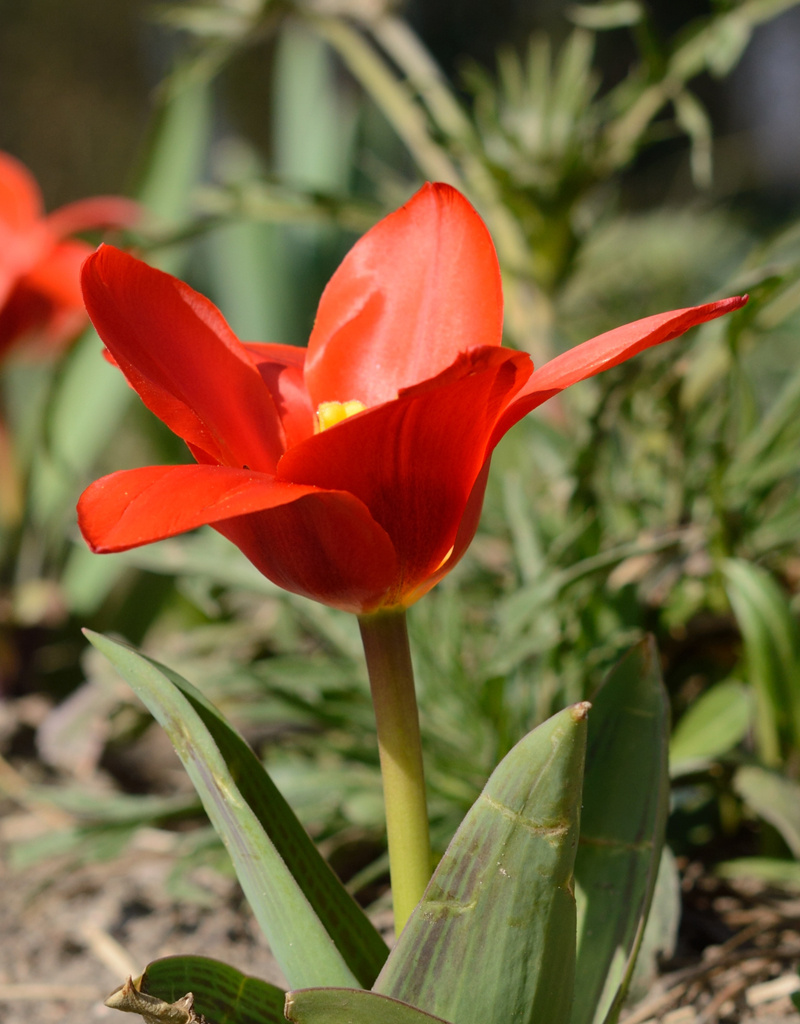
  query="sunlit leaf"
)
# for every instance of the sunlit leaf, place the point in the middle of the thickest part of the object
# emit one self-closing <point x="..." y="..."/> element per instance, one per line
<point x="299" y="915"/>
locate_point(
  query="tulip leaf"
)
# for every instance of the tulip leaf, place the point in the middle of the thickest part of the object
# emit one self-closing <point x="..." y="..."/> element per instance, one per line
<point x="711" y="727"/>
<point x="314" y="927"/>
<point x="625" y="806"/>
<point x="774" y="798"/>
<point x="221" y="993"/>
<point x="351" y="1006"/>
<point x="493" y="938"/>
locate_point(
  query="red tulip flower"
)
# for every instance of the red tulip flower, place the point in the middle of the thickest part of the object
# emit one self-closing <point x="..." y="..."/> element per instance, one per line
<point x="352" y="471"/>
<point x="40" y="265"/>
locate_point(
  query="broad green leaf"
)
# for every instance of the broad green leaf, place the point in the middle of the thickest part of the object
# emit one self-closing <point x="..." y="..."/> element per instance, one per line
<point x="711" y="727"/>
<point x="774" y="798"/>
<point x="298" y="901"/>
<point x="772" y="653"/>
<point x="625" y="805"/>
<point x="493" y="938"/>
<point x="221" y="993"/>
<point x="351" y="1006"/>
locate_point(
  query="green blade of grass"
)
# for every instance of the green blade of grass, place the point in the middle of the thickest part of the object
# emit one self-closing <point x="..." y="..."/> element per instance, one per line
<point x="772" y="652"/>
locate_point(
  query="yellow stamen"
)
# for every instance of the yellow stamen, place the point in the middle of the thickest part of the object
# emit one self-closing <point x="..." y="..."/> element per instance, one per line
<point x="331" y="413"/>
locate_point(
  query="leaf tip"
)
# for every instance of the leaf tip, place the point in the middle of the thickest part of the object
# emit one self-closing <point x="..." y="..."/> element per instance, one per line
<point x="580" y="711"/>
<point x="121" y="994"/>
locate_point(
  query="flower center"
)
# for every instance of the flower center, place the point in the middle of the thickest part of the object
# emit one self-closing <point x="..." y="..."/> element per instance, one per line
<point x="331" y="413"/>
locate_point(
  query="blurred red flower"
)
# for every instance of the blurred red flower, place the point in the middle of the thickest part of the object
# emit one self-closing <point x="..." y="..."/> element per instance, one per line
<point x="352" y="471"/>
<point x="39" y="264"/>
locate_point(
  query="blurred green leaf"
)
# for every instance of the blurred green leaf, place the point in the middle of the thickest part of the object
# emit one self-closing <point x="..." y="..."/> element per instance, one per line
<point x="774" y="798"/>
<point x="692" y="116"/>
<point x="260" y="831"/>
<point x="785" y="873"/>
<point x="711" y="726"/>
<point x="79" y="430"/>
<point x="73" y="845"/>
<point x="351" y="1006"/>
<point x="599" y="16"/>
<point x="772" y="654"/>
<point x="625" y="806"/>
<point x="114" y="808"/>
<point x="175" y="154"/>
<point x="221" y="993"/>
<point x="494" y="935"/>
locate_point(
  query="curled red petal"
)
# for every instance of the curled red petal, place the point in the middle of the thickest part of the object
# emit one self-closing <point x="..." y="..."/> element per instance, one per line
<point x="608" y="350"/>
<point x="420" y="287"/>
<point x="178" y="352"/>
<point x="320" y="544"/>
<point x="414" y="462"/>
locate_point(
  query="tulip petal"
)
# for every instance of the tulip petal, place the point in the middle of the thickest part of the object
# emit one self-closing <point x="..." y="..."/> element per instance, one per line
<point x="420" y="287"/>
<point x="96" y="212"/>
<point x="605" y="351"/>
<point x="46" y="301"/>
<point x="321" y="544"/>
<point x="414" y="461"/>
<point x="324" y="545"/>
<point x="178" y="352"/>
<point x="20" y="198"/>
<point x="281" y="368"/>
<point x="466" y="532"/>
<point x="21" y="235"/>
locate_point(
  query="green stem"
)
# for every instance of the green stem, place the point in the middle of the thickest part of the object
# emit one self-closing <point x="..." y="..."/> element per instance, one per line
<point x="391" y="678"/>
